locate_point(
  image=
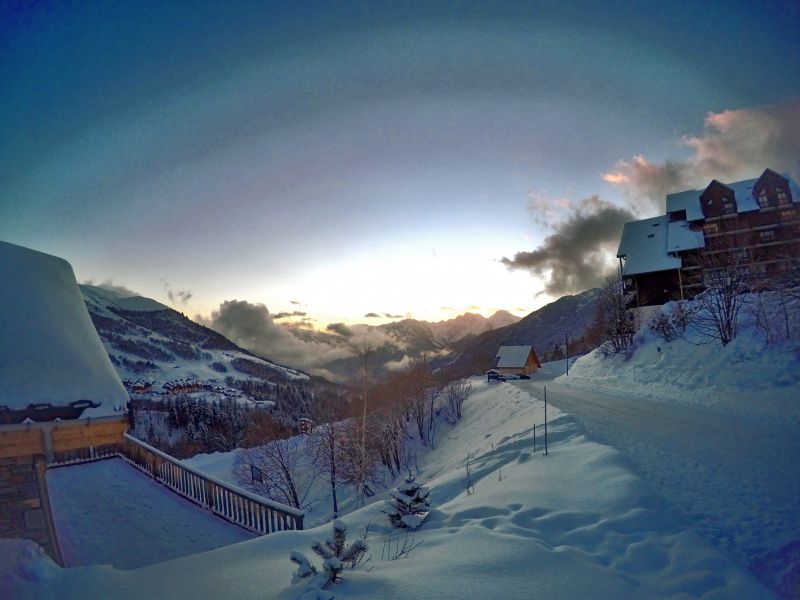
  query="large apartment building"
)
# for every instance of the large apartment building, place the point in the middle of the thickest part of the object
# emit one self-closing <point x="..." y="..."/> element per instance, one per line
<point x="751" y="227"/>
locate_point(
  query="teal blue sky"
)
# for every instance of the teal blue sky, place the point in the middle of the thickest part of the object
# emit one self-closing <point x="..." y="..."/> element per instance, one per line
<point x="367" y="157"/>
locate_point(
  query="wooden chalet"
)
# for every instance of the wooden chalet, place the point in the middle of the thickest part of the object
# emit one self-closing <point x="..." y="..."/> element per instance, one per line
<point x="516" y="360"/>
<point x="750" y="226"/>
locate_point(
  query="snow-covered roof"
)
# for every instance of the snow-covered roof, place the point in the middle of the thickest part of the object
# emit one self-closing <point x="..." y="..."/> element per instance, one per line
<point x="513" y="356"/>
<point x="681" y="237"/>
<point x="689" y="201"/>
<point x="644" y="247"/>
<point x="49" y="349"/>
<point x="743" y="193"/>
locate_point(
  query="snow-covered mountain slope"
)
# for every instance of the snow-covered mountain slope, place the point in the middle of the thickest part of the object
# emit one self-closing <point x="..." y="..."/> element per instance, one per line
<point x="49" y="351"/>
<point x="574" y="524"/>
<point x="155" y="348"/>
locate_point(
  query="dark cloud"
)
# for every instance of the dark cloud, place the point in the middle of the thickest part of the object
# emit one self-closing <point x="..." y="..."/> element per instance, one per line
<point x="117" y="288"/>
<point x="254" y="328"/>
<point x="576" y="256"/>
<point x="296" y="302"/>
<point x="391" y="316"/>
<point x="371" y="315"/>
<point x="735" y="144"/>
<point x="286" y="315"/>
<point x="340" y="329"/>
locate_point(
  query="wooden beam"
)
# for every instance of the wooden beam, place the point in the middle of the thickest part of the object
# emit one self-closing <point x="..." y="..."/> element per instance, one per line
<point x="21" y="443"/>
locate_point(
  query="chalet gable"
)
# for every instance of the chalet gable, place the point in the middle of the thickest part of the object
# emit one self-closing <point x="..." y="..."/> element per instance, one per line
<point x="717" y="199"/>
<point x="772" y="189"/>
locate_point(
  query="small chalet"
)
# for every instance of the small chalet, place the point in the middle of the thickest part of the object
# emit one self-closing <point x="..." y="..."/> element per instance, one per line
<point x="516" y="360"/>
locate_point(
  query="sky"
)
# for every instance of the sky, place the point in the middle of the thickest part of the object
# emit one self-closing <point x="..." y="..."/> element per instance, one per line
<point x="341" y="159"/>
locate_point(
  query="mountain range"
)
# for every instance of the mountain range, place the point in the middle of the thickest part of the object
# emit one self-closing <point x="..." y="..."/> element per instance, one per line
<point x="154" y="345"/>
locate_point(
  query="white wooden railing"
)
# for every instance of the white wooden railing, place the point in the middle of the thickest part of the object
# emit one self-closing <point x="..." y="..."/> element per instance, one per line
<point x="230" y="502"/>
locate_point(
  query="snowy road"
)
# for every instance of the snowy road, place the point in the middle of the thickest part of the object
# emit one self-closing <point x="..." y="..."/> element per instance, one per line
<point x="736" y="482"/>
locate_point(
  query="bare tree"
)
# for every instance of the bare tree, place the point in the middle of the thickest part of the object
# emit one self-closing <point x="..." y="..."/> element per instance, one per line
<point x="421" y="391"/>
<point x="328" y="439"/>
<point x="456" y="393"/>
<point x="726" y="278"/>
<point x="363" y="349"/>
<point x="282" y="470"/>
<point x="617" y="322"/>
<point x="358" y="467"/>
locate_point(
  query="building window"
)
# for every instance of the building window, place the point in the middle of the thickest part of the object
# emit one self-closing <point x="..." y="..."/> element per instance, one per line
<point x="710" y="228"/>
<point x="787" y="215"/>
<point x="740" y="255"/>
<point x="763" y="201"/>
<point x="728" y="208"/>
<point x="768" y="235"/>
<point x="783" y="199"/>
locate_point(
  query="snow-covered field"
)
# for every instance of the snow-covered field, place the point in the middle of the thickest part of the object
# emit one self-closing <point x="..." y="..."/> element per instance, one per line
<point x="575" y="524"/>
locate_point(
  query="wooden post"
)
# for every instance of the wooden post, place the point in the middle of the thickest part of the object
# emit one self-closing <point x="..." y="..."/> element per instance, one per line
<point x="40" y="465"/>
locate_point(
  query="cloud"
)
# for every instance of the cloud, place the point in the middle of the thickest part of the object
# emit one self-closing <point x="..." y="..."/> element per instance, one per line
<point x="109" y="285"/>
<point x="647" y="184"/>
<point x="296" y="302"/>
<point x="734" y="144"/>
<point x="371" y="315"/>
<point x="576" y="256"/>
<point x="177" y="296"/>
<point x="340" y="329"/>
<point x="253" y="327"/>
<point x="286" y="315"/>
<point x="545" y="210"/>
<point x="391" y="316"/>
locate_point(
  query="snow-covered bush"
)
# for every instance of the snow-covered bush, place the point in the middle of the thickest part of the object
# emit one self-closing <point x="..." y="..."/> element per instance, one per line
<point x="335" y="555"/>
<point x="408" y="504"/>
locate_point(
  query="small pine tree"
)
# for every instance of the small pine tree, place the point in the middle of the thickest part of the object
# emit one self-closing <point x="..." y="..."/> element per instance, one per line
<point x="335" y="555"/>
<point x="408" y="504"/>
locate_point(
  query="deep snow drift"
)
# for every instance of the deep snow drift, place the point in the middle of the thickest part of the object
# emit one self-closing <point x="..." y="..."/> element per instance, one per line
<point x="49" y="349"/>
<point x="574" y="524"/>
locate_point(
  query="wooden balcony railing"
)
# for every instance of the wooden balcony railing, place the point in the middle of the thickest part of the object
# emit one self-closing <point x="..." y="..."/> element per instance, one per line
<point x="232" y="503"/>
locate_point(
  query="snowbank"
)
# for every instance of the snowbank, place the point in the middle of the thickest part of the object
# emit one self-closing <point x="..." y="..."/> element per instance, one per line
<point x="747" y="377"/>
<point x="49" y="350"/>
<point x="575" y="524"/>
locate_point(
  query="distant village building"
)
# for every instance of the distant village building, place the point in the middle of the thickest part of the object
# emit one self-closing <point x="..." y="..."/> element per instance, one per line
<point x="751" y="226"/>
<point x="516" y="360"/>
<point x="306" y="426"/>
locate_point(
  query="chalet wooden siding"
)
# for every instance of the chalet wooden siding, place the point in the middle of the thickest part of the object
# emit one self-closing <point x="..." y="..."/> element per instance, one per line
<point x="752" y="225"/>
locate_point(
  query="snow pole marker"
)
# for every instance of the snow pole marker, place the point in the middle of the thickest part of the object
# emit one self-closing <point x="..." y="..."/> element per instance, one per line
<point x="545" y="420"/>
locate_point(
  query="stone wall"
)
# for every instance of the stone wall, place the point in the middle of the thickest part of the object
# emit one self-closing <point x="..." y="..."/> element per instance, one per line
<point x="23" y="501"/>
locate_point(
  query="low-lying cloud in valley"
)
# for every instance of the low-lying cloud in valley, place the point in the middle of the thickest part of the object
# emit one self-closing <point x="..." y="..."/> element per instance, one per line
<point x="253" y="327"/>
